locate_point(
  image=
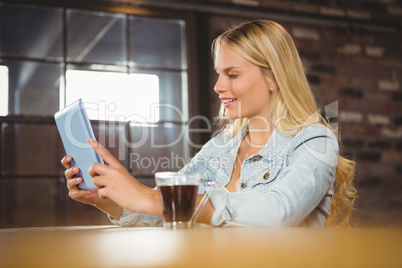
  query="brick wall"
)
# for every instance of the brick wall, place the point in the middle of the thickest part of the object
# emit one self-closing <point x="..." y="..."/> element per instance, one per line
<point x="352" y="51"/>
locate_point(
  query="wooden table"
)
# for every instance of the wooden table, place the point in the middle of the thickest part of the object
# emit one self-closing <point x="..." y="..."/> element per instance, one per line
<point x="107" y="246"/>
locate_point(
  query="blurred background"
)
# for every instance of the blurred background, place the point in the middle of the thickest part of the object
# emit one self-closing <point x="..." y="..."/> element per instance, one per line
<point x="144" y="68"/>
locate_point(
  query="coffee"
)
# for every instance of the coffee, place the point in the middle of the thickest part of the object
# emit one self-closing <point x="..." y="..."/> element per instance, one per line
<point x="178" y="202"/>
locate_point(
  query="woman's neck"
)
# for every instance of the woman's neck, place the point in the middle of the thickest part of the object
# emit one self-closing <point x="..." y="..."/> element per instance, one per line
<point x="259" y="132"/>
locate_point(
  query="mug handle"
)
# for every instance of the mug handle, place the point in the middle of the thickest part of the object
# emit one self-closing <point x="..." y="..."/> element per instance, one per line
<point x="208" y="189"/>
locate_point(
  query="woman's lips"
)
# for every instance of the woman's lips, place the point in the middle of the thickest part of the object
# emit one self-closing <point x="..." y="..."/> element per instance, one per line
<point x="227" y="102"/>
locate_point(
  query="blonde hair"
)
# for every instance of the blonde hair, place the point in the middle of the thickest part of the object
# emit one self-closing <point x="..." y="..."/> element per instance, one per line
<point x="268" y="45"/>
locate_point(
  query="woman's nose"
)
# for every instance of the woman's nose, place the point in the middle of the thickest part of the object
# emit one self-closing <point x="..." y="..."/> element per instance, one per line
<point x="219" y="86"/>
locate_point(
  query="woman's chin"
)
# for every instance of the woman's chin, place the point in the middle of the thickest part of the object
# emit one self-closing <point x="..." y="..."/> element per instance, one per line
<point x="232" y="116"/>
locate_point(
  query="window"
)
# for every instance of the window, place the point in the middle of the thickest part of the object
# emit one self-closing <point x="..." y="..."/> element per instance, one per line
<point x="45" y="73"/>
<point x="131" y="71"/>
<point x="3" y="90"/>
<point x="114" y="96"/>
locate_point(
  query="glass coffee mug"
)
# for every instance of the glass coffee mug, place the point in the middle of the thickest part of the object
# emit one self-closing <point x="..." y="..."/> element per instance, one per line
<point x="178" y="193"/>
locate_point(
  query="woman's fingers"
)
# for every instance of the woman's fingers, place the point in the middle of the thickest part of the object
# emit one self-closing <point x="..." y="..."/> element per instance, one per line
<point x="104" y="185"/>
<point x="98" y="169"/>
<point x="69" y="173"/>
<point x="102" y="181"/>
<point x="102" y="193"/>
<point x="103" y="153"/>
<point x="73" y="182"/>
<point x="65" y="161"/>
<point x="86" y="197"/>
<point x="78" y="194"/>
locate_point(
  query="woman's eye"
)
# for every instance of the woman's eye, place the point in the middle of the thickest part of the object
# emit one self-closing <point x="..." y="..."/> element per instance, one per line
<point x="232" y="76"/>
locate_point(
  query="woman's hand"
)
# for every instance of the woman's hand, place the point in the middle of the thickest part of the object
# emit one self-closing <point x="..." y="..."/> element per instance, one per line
<point x="86" y="197"/>
<point x="116" y="183"/>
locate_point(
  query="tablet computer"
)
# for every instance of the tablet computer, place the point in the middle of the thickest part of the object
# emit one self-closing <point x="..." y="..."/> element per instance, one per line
<point x="75" y="129"/>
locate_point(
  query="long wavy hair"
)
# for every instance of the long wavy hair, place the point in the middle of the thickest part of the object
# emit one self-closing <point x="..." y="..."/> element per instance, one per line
<point x="293" y="106"/>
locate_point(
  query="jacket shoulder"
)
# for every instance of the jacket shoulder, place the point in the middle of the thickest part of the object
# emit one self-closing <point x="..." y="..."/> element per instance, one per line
<point x="312" y="132"/>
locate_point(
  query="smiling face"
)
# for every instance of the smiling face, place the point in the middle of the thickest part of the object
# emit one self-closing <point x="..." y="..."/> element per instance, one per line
<point x="242" y="87"/>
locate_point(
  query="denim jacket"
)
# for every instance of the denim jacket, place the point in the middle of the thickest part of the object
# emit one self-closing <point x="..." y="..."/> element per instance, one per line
<point x="289" y="182"/>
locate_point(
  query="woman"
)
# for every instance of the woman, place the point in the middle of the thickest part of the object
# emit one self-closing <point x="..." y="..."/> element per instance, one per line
<point x="276" y="159"/>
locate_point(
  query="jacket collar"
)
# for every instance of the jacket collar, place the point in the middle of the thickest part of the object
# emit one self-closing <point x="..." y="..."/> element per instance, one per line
<point x="275" y="146"/>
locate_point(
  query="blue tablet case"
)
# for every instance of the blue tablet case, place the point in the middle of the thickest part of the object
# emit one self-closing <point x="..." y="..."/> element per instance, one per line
<point x="75" y="129"/>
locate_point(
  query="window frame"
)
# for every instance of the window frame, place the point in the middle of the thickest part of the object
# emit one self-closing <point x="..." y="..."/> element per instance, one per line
<point x="191" y="90"/>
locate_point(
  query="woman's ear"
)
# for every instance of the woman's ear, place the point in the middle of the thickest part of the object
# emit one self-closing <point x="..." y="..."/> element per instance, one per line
<point x="273" y="85"/>
<point x="272" y="80"/>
